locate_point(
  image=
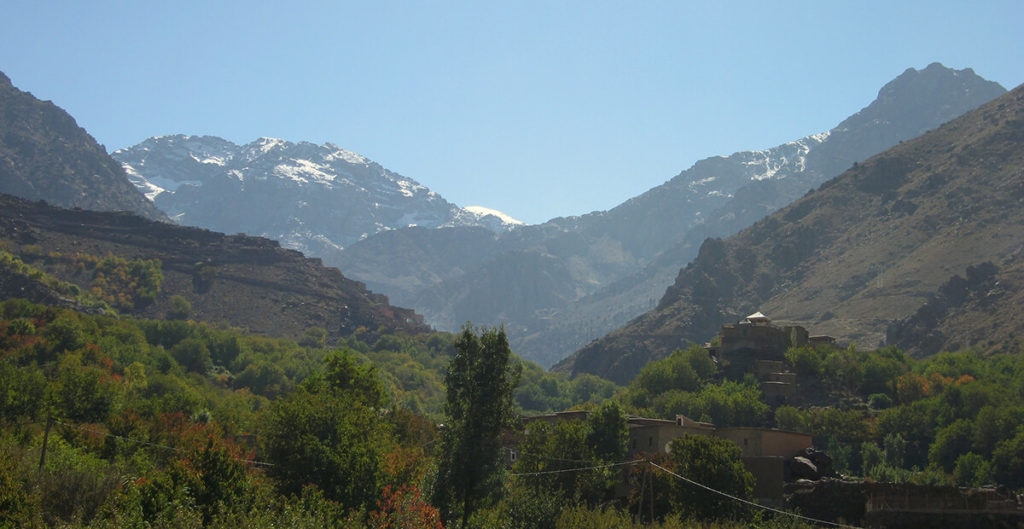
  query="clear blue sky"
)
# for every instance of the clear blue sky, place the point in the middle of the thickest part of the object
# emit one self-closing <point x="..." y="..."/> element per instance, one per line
<point x="539" y="109"/>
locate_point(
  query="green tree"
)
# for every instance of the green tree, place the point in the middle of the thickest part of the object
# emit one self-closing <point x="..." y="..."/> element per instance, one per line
<point x="1008" y="461"/>
<point x="329" y="433"/>
<point x="480" y="383"/>
<point x="193" y="355"/>
<point x="609" y="432"/>
<point x="971" y="470"/>
<point x="714" y="463"/>
<point x="950" y="443"/>
<point x="180" y="308"/>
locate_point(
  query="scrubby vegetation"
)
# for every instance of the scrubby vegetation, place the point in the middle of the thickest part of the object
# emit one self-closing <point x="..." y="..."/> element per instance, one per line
<point x="149" y="422"/>
<point x="160" y="423"/>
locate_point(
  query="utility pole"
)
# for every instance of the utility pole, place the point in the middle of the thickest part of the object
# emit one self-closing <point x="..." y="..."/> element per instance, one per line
<point x="46" y="437"/>
<point x="640" y="502"/>
<point x="652" y="492"/>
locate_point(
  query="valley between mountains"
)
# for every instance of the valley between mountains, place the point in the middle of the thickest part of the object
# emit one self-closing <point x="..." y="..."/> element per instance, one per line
<point x="197" y="333"/>
<point x="555" y="286"/>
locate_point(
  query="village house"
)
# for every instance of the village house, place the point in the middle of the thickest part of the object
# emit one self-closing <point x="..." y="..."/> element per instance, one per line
<point x="752" y="344"/>
<point x="765" y="452"/>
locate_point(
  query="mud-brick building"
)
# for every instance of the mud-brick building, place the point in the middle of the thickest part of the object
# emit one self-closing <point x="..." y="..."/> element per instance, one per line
<point x="764" y="452"/>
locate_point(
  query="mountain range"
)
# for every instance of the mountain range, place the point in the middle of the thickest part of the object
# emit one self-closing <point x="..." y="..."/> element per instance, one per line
<point x="555" y="286"/>
<point x="920" y="246"/>
<point x="322" y="197"/>
<point x="237" y="280"/>
<point x="558" y="285"/>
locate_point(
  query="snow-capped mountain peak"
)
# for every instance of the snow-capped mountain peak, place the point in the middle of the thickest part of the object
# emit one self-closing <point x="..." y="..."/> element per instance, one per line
<point x="313" y="198"/>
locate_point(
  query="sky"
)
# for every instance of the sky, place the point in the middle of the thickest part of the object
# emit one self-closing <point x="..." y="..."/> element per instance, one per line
<point x="539" y="109"/>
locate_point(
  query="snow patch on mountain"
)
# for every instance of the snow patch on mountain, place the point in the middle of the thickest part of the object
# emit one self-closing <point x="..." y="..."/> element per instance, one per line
<point x="483" y="212"/>
<point x="779" y="162"/>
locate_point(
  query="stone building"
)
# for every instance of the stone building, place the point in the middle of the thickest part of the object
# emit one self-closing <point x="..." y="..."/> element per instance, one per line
<point x="757" y="338"/>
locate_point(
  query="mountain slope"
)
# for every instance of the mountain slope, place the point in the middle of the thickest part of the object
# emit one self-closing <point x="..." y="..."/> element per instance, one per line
<point x="323" y="197"/>
<point x="45" y="155"/>
<point x="867" y="252"/>
<point x="615" y="264"/>
<point x="906" y="107"/>
<point x="246" y="282"/>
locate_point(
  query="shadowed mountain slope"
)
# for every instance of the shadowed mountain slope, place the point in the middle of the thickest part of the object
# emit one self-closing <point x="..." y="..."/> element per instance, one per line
<point x="882" y="248"/>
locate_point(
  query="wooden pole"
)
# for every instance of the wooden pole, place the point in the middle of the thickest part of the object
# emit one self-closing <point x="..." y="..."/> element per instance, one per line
<point x="640" y="502"/>
<point x="652" y="493"/>
<point x="46" y="437"/>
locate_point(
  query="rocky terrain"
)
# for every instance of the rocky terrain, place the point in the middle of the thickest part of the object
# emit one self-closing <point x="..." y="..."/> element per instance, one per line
<point x="883" y="247"/>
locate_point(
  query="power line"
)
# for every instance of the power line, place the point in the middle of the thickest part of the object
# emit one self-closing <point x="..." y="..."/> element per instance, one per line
<point x="580" y="469"/>
<point x="747" y="502"/>
<point x="560" y="459"/>
<point x="179" y="450"/>
<point x="690" y="481"/>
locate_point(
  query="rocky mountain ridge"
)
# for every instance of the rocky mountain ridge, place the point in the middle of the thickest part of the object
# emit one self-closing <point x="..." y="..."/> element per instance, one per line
<point x="873" y="256"/>
<point x="45" y="155"/>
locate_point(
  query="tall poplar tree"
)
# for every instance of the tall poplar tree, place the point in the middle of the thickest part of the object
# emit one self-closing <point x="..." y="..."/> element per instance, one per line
<point x="480" y="381"/>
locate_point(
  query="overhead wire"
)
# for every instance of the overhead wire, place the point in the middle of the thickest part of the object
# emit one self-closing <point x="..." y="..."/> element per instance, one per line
<point x="690" y="481"/>
<point x="750" y="503"/>
<point x="578" y="469"/>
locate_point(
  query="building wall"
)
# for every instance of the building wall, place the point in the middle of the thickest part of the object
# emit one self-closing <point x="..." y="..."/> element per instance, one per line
<point x="655" y="438"/>
<point x="769" y="476"/>
<point x="760" y="442"/>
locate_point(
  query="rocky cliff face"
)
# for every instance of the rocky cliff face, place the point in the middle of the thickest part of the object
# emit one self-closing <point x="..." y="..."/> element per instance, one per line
<point x="313" y="198"/>
<point x="45" y="155"/>
<point x="614" y="265"/>
<point x="879" y="244"/>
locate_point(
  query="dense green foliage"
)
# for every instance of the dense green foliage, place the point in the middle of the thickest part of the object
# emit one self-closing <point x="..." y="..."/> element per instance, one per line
<point x="160" y="422"/>
<point x="553" y="447"/>
<point x="688" y="382"/>
<point x="952" y="417"/>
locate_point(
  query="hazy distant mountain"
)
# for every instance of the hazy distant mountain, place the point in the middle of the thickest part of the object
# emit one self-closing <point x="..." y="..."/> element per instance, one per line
<point x="313" y="198"/>
<point x="45" y="155"/>
<point x="558" y="285"/>
<point x="920" y="246"/>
